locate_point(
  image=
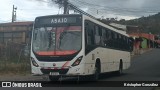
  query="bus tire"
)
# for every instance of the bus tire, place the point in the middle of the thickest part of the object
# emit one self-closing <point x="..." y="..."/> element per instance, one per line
<point x="120" y="71"/>
<point x="97" y="71"/>
<point x="53" y="78"/>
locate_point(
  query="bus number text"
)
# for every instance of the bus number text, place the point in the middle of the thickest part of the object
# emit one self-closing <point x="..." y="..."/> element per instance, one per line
<point x="59" y="20"/>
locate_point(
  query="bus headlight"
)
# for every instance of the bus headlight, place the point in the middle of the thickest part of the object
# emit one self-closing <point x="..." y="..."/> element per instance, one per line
<point x="34" y="62"/>
<point x="77" y="62"/>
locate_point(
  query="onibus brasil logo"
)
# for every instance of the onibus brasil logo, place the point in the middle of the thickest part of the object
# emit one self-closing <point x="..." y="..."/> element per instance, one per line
<point x="20" y="84"/>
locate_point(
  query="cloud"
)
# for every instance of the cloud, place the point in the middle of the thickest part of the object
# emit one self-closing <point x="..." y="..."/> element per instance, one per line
<point x="27" y="10"/>
<point x="6" y="10"/>
<point x="121" y="8"/>
<point x="128" y="9"/>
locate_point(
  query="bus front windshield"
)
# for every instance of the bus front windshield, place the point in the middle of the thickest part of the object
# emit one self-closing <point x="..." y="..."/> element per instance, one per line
<point x="57" y="41"/>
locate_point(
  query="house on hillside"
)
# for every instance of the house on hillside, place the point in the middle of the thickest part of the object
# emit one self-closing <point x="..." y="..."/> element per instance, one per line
<point x="147" y="39"/>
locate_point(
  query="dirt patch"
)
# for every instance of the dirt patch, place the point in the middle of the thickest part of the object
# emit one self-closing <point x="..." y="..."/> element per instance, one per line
<point x="14" y="67"/>
<point x="20" y="77"/>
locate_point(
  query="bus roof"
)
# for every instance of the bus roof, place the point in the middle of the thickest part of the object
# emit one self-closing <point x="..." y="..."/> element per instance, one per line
<point x="105" y="25"/>
<point x="59" y="15"/>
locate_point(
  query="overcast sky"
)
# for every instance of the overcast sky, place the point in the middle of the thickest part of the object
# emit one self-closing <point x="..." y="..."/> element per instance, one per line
<point x="27" y="10"/>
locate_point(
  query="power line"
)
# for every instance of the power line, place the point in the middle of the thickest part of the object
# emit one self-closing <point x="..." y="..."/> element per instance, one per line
<point x="79" y="10"/>
<point x="104" y="11"/>
<point x="116" y="8"/>
<point x="43" y="1"/>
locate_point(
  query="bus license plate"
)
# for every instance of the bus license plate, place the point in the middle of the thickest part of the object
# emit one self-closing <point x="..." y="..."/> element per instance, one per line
<point x="54" y="73"/>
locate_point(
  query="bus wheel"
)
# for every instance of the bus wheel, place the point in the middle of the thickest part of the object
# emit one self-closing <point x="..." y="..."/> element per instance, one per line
<point x="120" y="71"/>
<point x="97" y="71"/>
<point x="53" y="78"/>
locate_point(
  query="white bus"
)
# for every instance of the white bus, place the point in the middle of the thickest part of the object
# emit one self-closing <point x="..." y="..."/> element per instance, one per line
<point x="77" y="45"/>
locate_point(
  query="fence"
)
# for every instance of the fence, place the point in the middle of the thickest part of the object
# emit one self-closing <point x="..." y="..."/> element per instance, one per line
<point x="14" y="58"/>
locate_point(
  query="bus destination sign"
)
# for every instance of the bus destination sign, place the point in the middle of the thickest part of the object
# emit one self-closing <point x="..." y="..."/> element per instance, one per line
<point x="57" y="20"/>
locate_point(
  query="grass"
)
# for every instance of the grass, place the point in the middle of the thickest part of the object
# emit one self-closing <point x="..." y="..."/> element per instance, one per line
<point x="15" y="66"/>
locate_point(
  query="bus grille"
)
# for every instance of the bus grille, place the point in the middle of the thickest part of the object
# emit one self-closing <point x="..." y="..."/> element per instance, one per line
<point x="61" y="71"/>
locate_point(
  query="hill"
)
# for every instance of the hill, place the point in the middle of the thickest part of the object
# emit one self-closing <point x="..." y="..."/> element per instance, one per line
<point x="150" y="24"/>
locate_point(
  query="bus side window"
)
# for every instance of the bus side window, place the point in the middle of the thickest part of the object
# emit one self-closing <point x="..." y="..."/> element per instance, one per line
<point x="97" y="35"/>
<point x="100" y="31"/>
<point x="86" y="34"/>
<point x="89" y="33"/>
<point x="131" y="42"/>
<point x="115" y="40"/>
<point x="89" y="36"/>
<point x="112" y="39"/>
<point x="103" y="37"/>
<point x="126" y="45"/>
<point x="109" y="38"/>
<point x="91" y="29"/>
<point x="120" y="41"/>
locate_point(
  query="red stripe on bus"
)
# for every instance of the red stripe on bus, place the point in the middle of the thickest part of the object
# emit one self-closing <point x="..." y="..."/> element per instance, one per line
<point x="54" y="53"/>
<point x="65" y="65"/>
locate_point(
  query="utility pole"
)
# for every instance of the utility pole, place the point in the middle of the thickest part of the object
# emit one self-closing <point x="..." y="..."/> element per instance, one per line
<point x="66" y="8"/>
<point x="67" y="5"/>
<point x="63" y="3"/>
<point x="14" y="13"/>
